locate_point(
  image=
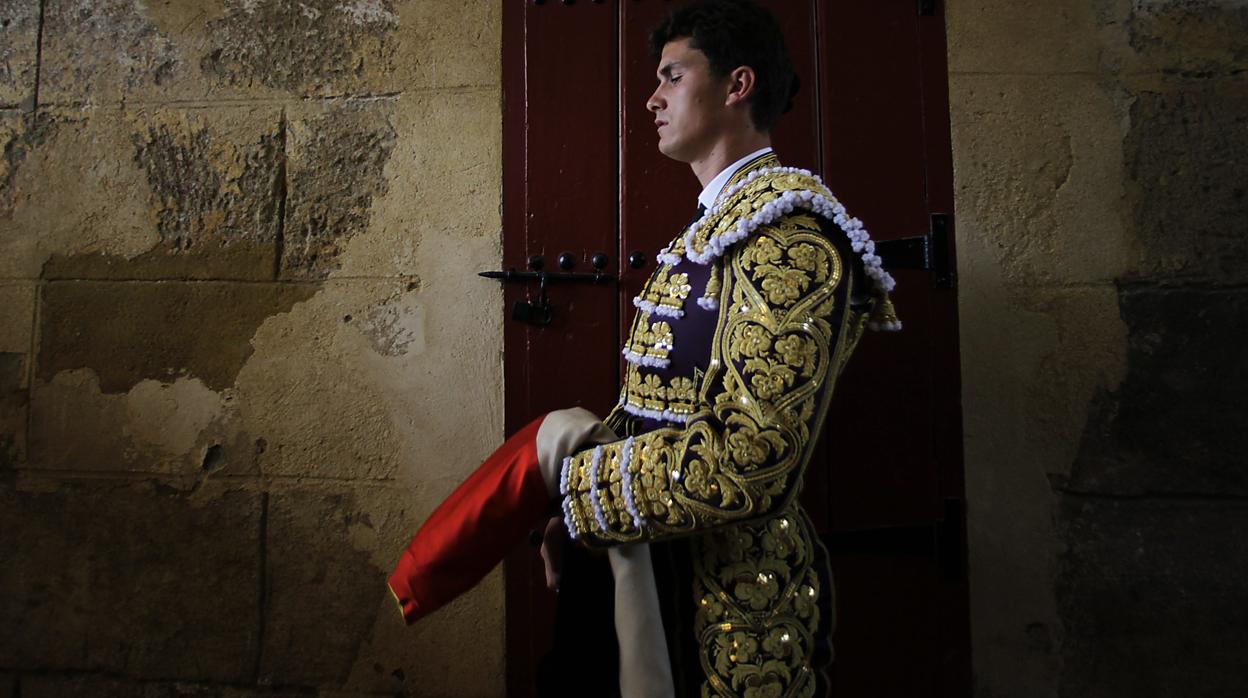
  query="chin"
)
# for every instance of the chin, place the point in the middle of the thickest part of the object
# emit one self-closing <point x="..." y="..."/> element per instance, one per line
<point x="672" y="151"/>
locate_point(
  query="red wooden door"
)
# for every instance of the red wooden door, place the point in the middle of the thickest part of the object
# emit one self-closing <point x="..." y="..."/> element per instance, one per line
<point x="582" y="175"/>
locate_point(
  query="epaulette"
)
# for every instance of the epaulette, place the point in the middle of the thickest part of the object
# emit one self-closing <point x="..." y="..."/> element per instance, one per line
<point x="760" y="199"/>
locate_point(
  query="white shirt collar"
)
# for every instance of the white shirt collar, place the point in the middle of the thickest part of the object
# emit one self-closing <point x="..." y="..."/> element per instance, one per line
<point x="712" y="190"/>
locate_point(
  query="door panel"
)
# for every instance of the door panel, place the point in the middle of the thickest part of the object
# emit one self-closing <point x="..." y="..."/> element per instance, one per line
<point x="582" y="173"/>
<point x="874" y="160"/>
<point x="559" y="195"/>
<point x="567" y="181"/>
<point x="885" y="604"/>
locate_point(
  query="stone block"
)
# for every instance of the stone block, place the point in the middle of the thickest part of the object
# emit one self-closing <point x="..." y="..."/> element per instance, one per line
<point x="378" y="380"/>
<point x="1189" y="180"/>
<point x="1151" y="593"/>
<point x="1175" y="425"/>
<point x="105" y="52"/>
<point x="131" y="580"/>
<point x="317" y="390"/>
<point x="205" y="379"/>
<point x="19" y="37"/>
<point x="17" y="311"/>
<point x="178" y="428"/>
<point x="1037" y="180"/>
<point x="1033" y="364"/>
<point x="365" y="47"/>
<point x="441" y="181"/>
<point x="320" y="574"/>
<point x="116" y="50"/>
<point x="16" y="139"/>
<point x="14" y="408"/>
<point x="330" y="551"/>
<point x="450" y="49"/>
<point x="338" y="156"/>
<point x="137" y="376"/>
<point x="986" y="36"/>
<point x="12" y="373"/>
<point x="127" y="332"/>
<point x="458" y="650"/>
<point x="323" y="48"/>
<point x="17" y="315"/>
<point x="158" y="194"/>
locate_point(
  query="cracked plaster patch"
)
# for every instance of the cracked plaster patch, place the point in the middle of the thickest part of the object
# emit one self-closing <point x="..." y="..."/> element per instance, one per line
<point x="19" y="28"/>
<point x="154" y="427"/>
<point x="99" y="51"/>
<point x="208" y="185"/>
<point x="336" y="169"/>
<point x="396" y="326"/>
<point x="320" y="54"/>
<point x="129" y="332"/>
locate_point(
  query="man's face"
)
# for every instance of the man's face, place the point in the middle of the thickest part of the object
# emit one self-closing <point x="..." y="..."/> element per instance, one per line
<point x="688" y="104"/>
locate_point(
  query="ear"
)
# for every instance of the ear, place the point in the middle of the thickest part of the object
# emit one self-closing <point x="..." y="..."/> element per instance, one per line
<point x="741" y="83"/>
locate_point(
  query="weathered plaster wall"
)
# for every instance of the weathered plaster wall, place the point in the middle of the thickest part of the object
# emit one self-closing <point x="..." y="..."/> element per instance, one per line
<point x="243" y="348"/>
<point x="1101" y="169"/>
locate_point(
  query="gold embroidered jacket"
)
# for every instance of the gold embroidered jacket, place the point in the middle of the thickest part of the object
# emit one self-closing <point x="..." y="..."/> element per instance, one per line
<point x="722" y="401"/>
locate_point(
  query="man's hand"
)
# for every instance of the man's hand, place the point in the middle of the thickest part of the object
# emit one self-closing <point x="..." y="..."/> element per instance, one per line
<point x="554" y="538"/>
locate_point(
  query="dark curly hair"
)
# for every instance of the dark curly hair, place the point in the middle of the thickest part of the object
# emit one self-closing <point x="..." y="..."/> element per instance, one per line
<point x="733" y="33"/>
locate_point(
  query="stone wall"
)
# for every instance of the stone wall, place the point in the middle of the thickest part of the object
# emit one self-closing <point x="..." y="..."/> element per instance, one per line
<point x="243" y="348"/>
<point x="1101" y="168"/>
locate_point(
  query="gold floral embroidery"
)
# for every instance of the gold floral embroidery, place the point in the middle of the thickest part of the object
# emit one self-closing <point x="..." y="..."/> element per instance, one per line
<point x="667" y="290"/>
<point x="677" y="291"/>
<point x="786" y="274"/>
<point x="646" y="390"/>
<point x="757" y="615"/>
<point x="655" y="342"/>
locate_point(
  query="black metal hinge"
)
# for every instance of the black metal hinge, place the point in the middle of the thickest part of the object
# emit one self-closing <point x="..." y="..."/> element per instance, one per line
<point x="929" y="252"/>
<point x="927" y="8"/>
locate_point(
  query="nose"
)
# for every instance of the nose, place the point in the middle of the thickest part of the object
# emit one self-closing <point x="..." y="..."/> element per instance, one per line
<point x="656" y="102"/>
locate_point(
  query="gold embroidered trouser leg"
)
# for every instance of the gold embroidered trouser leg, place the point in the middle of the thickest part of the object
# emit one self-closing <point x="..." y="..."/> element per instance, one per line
<point x="758" y="588"/>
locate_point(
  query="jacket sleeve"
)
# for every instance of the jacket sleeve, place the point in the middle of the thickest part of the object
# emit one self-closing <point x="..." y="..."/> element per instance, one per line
<point x="782" y="329"/>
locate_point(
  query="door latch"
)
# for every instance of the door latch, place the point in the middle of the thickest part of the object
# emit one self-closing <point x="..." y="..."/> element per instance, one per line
<point x="540" y="313"/>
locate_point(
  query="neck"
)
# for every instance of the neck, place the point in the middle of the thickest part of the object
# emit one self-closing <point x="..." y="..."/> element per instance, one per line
<point x="727" y="151"/>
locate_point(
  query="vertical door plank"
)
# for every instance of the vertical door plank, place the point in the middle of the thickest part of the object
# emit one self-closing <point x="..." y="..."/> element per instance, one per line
<point x="873" y="159"/>
<point x="560" y="118"/>
<point x="954" y="599"/>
